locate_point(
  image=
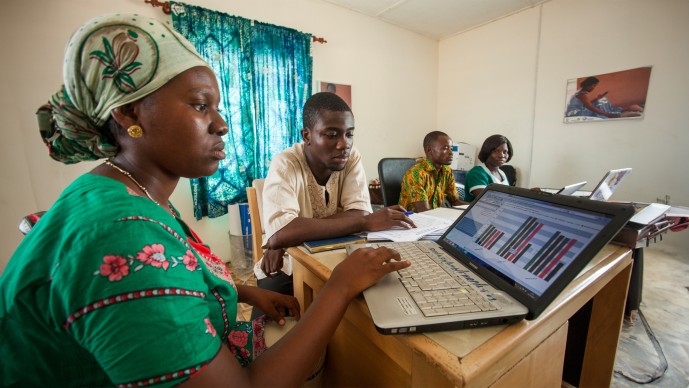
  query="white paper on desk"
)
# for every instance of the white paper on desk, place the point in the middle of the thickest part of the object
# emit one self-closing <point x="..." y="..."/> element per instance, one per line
<point x="678" y="211"/>
<point x="425" y="225"/>
<point x="649" y="213"/>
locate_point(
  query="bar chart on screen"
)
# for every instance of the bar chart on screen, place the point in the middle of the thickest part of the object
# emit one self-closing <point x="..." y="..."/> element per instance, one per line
<point x="541" y="248"/>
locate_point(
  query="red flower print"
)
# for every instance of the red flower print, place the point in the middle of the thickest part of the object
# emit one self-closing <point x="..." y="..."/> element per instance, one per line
<point x="209" y="327"/>
<point x="260" y="346"/>
<point x="114" y="267"/>
<point x="244" y="353"/>
<point x="258" y="329"/>
<point x="154" y="255"/>
<point x="190" y="261"/>
<point x="239" y="338"/>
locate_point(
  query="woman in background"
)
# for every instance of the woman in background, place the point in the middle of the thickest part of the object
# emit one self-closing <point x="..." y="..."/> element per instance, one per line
<point x="111" y="287"/>
<point x="495" y="152"/>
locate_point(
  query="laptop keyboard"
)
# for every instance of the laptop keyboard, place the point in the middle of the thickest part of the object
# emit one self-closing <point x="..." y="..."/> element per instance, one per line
<point x="435" y="291"/>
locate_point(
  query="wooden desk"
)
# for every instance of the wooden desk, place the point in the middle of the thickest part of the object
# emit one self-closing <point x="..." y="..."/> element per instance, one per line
<point x="527" y="353"/>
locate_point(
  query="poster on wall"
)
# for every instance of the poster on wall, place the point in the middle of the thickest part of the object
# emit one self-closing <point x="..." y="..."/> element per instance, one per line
<point x="611" y="96"/>
<point x="342" y="90"/>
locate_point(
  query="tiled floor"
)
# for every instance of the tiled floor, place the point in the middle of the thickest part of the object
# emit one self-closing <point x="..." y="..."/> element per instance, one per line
<point x="665" y="306"/>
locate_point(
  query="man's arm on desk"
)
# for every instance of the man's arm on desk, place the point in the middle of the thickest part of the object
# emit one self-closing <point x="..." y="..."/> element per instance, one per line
<point x="302" y="229"/>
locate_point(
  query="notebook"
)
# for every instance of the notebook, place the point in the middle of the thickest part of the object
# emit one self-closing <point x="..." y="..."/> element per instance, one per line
<point x="511" y="252"/>
<point x="609" y="183"/>
<point x="329" y="244"/>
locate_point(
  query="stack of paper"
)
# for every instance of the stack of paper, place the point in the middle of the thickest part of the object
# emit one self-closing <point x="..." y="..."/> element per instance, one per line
<point x="427" y="227"/>
<point x="648" y="213"/>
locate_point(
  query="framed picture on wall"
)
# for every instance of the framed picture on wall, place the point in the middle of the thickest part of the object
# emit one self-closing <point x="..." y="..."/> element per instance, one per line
<point x="342" y="90"/>
<point x="611" y="96"/>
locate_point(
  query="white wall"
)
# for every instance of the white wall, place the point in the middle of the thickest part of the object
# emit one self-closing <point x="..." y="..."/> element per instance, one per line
<point x="486" y="84"/>
<point x="393" y="74"/>
<point x="509" y="76"/>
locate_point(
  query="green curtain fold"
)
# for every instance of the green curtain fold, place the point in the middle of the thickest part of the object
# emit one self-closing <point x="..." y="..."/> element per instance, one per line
<point x="265" y="75"/>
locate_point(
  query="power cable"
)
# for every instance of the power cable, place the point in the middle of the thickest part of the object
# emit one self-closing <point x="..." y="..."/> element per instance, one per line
<point x="645" y="378"/>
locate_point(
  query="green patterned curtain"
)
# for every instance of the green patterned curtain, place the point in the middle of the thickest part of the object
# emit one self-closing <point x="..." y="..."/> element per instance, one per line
<point x="264" y="74"/>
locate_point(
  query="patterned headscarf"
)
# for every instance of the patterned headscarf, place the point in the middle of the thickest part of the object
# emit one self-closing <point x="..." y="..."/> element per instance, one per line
<point x="110" y="61"/>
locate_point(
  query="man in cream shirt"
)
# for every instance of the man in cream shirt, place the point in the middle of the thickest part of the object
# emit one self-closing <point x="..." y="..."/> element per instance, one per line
<point x="317" y="189"/>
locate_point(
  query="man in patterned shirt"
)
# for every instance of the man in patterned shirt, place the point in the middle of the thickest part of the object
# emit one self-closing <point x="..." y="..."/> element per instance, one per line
<point x="428" y="183"/>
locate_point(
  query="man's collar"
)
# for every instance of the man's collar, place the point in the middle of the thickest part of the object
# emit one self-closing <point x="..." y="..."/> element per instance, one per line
<point x="429" y="166"/>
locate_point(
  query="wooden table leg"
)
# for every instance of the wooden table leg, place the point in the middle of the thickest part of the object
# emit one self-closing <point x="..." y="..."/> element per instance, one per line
<point x="604" y="332"/>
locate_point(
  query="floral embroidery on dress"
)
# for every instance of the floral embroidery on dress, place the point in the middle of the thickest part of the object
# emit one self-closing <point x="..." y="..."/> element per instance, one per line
<point x="116" y="267"/>
<point x="190" y="261"/>
<point x="154" y="255"/>
<point x="214" y="264"/>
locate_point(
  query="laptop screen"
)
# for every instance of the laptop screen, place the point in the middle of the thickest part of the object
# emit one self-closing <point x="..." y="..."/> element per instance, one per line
<point x="609" y="183"/>
<point x="527" y="242"/>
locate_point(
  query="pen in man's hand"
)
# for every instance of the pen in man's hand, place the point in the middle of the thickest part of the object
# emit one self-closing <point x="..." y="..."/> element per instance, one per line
<point x="408" y="213"/>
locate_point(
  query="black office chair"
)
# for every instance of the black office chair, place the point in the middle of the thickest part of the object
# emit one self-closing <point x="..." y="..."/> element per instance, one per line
<point x="390" y="173"/>
<point x="511" y="173"/>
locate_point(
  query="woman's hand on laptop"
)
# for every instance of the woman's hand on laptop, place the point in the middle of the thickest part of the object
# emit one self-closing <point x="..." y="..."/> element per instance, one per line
<point x="365" y="267"/>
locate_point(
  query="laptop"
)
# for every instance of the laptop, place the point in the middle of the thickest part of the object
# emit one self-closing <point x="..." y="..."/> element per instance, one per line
<point x="567" y="190"/>
<point x="510" y="253"/>
<point x="608" y="184"/>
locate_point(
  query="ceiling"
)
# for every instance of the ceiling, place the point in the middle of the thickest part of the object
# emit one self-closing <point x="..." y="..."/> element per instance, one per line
<point x="437" y="19"/>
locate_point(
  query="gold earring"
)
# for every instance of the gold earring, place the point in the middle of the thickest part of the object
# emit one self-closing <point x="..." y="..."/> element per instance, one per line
<point x="135" y="131"/>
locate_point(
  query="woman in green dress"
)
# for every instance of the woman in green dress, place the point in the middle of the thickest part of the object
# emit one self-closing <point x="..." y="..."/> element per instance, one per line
<point x="495" y="152"/>
<point x="111" y="287"/>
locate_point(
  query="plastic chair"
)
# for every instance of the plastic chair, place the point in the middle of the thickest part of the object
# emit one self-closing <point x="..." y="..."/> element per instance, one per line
<point x="254" y="199"/>
<point x="390" y="173"/>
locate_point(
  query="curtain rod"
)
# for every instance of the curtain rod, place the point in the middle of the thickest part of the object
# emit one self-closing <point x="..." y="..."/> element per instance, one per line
<point x="166" y="10"/>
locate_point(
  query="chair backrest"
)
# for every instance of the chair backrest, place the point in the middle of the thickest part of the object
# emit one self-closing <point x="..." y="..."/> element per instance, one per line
<point x="510" y="173"/>
<point x="254" y="196"/>
<point x="460" y="190"/>
<point x="390" y="173"/>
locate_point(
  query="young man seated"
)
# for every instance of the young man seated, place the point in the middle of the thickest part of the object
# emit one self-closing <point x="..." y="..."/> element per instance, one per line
<point x="317" y="189"/>
<point x="428" y="183"/>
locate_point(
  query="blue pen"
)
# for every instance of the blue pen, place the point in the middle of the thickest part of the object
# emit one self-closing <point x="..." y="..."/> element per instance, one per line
<point x="408" y="213"/>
